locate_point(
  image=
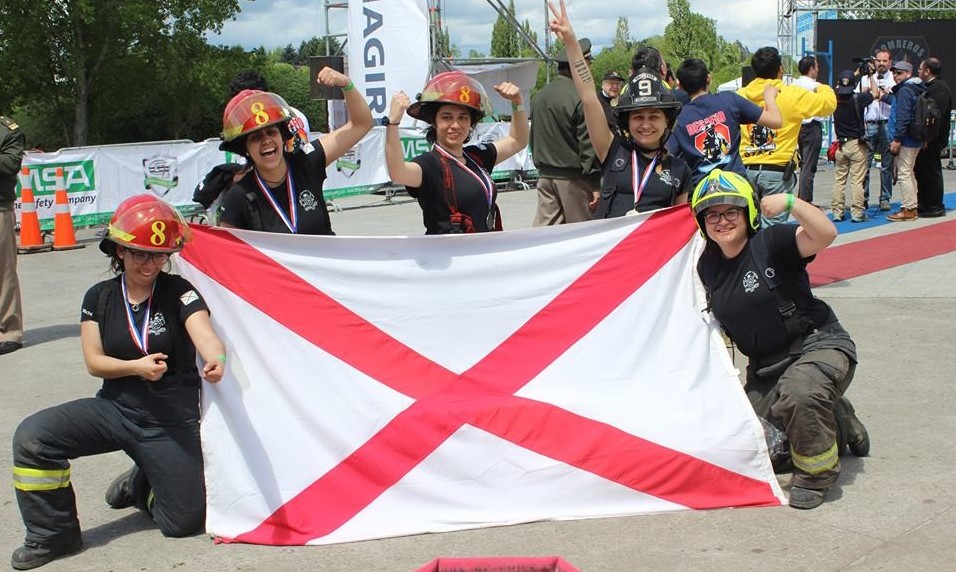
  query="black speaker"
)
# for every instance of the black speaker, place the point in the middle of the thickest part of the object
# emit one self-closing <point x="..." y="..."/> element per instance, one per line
<point x="747" y="75"/>
<point x="318" y="91"/>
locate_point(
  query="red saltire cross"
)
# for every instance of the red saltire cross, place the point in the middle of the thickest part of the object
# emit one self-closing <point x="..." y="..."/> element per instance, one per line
<point x="483" y="396"/>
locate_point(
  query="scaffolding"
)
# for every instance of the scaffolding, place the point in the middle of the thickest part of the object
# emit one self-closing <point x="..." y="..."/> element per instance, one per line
<point x="787" y="11"/>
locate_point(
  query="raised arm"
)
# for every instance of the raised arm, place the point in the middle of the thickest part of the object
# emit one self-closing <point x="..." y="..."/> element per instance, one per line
<point x="771" y="116"/>
<point x="336" y="143"/>
<point x="594" y="118"/>
<point x="518" y="135"/>
<point x="816" y="230"/>
<point x="400" y="172"/>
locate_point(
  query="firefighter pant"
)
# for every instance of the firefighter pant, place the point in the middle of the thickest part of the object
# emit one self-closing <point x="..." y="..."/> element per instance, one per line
<point x="800" y="402"/>
<point x="169" y="456"/>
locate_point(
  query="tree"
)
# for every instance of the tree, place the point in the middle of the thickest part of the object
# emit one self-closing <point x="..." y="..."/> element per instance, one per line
<point x="527" y="51"/>
<point x="505" y="42"/>
<point x="58" y="53"/>
<point x="289" y="55"/>
<point x="622" y="37"/>
<point x="689" y="35"/>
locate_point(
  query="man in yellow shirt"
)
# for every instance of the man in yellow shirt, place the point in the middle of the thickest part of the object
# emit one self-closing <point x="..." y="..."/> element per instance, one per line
<point x="768" y="153"/>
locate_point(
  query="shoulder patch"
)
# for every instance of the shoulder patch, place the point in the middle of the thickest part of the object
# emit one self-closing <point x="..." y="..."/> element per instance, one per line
<point x="11" y="125"/>
<point x="189" y="297"/>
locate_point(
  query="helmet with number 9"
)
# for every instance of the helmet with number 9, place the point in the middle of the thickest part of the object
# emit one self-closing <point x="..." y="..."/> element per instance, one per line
<point x="453" y="87"/>
<point x="251" y="110"/>
<point x="645" y="90"/>
<point x="725" y="188"/>
<point x="146" y="222"/>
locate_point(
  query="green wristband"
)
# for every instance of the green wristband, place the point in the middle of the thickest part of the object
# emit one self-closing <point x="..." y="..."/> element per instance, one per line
<point x="221" y="359"/>
<point x="517" y="107"/>
<point x="790" y="201"/>
<point x="349" y="87"/>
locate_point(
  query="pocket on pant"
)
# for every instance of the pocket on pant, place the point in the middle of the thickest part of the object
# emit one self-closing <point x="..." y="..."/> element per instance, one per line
<point x="834" y="364"/>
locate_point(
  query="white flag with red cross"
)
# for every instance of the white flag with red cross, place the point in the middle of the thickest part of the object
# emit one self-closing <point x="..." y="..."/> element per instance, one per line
<point x="380" y="387"/>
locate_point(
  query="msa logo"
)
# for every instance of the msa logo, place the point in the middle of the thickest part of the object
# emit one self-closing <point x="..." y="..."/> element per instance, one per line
<point x="78" y="176"/>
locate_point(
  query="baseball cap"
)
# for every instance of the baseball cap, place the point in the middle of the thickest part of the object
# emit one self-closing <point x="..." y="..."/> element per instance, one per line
<point x="562" y="56"/>
<point x="613" y="75"/>
<point x="903" y="66"/>
<point x="845" y="83"/>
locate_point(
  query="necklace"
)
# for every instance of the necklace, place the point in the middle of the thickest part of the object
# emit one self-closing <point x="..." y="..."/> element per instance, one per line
<point x="134" y="307"/>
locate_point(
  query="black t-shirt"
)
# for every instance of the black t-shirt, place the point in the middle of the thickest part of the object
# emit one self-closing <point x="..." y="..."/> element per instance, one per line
<point x="174" y="300"/>
<point x="745" y="306"/>
<point x="468" y="189"/>
<point x="670" y="177"/>
<point x="848" y="115"/>
<point x="308" y="175"/>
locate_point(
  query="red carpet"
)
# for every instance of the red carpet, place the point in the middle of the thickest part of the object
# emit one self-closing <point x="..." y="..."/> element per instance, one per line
<point x="875" y="254"/>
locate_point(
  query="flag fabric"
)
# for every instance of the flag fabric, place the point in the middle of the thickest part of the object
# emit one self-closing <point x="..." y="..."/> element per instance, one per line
<point x="380" y="387"/>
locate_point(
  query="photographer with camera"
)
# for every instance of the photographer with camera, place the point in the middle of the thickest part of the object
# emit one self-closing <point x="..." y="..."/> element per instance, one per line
<point x="852" y="151"/>
<point x="876" y="116"/>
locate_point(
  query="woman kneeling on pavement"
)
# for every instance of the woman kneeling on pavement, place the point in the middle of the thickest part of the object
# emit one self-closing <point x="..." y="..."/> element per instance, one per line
<point x="638" y="174"/>
<point x="452" y="182"/>
<point x="140" y="332"/>
<point x="801" y="358"/>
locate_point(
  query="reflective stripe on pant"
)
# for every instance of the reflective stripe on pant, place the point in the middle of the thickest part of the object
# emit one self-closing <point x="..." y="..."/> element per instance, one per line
<point x="169" y="456"/>
<point x="801" y="402"/>
<point x="27" y="479"/>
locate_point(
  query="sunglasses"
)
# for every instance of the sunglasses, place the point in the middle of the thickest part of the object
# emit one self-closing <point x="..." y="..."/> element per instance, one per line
<point x="897" y="72"/>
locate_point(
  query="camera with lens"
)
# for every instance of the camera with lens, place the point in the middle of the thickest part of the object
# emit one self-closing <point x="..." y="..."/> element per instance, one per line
<point x="866" y="65"/>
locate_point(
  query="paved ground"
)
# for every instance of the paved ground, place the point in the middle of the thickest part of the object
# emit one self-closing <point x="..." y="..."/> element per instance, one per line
<point x="895" y="510"/>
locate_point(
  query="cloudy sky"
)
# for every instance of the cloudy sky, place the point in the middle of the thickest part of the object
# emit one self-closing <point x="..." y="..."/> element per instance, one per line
<point x="277" y="23"/>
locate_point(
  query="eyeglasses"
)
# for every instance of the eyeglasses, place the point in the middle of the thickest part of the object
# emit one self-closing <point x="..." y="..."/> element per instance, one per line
<point x="140" y="257"/>
<point x="895" y="72"/>
<point x="730" y="215"/>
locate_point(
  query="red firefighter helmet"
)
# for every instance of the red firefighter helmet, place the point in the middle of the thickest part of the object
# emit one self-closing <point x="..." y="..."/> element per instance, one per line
<point x="453" y="87"/>
<point x="146" y="222"/>
<point x="251" y="110"/>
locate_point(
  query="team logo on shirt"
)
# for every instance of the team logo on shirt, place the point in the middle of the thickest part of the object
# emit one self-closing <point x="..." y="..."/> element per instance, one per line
<point x="665" y="176"/>
<point x="307" y="200"/>
<point x="157" y="325"/>
<point x="189" y="297"/>
<point x="751" y="282"/>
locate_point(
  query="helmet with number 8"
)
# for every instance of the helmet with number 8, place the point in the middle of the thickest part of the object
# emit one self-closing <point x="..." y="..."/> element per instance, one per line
<point x="453" y="87"/>
<point x="146" y="222"/>
<point x="251" y="110"/>
<point x="725" y="188"/>
<point x="645" y="90"/>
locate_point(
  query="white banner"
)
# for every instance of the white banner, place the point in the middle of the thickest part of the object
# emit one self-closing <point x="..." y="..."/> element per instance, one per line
<point x="388" y="50"/>
<point x="98" y="179"/>
<point x="383" y="387"/>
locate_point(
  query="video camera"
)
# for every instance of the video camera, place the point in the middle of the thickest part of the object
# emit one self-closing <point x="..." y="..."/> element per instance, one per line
<point x="865" y="65"/>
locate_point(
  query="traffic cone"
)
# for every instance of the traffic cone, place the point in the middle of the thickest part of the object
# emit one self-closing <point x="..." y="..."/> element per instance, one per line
<point x="63" y="236"/>
<point x="30" y="238"/>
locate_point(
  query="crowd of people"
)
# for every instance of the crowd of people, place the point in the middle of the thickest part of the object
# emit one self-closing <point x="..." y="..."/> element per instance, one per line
<point x="653" y="140"/>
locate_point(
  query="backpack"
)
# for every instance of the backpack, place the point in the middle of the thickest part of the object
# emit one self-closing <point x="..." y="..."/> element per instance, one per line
<point x="927" y="119"/>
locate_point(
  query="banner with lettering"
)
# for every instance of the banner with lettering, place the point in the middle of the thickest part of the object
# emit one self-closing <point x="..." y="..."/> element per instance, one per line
<point x="388" y="50"/>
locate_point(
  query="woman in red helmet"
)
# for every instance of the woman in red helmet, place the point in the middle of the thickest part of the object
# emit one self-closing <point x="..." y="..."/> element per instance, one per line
<point x="140" y="332"/>
<point x="452" y="182"/>
<point x="283" y="191"/>
<point x="638" y="173"/>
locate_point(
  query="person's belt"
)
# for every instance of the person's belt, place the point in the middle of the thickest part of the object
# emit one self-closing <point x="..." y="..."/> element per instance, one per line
<point x="876" y="121"/>
<point x="774" y="168"/>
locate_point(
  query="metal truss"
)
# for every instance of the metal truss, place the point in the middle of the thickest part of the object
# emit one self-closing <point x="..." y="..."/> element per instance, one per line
<point x="849" y="9"/>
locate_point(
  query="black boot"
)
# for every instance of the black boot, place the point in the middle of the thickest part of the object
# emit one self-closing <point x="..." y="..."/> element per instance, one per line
<point x="31" y="555"/>
<point x="850" y="428"/>
<point x="120" y="492"/>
